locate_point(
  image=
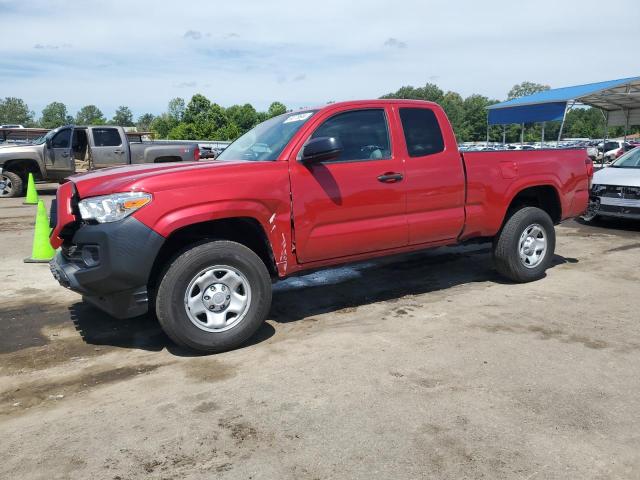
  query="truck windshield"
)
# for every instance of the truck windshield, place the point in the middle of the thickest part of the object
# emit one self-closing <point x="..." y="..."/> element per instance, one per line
<point x="41" y="139"/>
<point x="266" y="140"/>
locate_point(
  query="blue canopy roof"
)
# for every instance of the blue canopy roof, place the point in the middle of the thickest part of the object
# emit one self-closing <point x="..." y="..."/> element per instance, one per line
<point x="613" y="95"/>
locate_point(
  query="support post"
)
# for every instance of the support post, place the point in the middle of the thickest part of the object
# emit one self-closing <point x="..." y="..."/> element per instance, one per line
<point x="564" y="118"/>
<point x="521" y="134"/>
<point x="504" y="134"/>
<point x="626" y="123"/>
<point x="606" y="134"/>
<point x="542" y="141"/>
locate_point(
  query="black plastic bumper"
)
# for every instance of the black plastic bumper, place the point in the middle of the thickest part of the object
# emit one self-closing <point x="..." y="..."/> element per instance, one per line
<point x="109" y="264"/>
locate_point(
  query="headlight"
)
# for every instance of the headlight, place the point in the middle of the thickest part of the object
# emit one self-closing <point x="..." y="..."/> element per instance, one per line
<point x="111" y="208"/>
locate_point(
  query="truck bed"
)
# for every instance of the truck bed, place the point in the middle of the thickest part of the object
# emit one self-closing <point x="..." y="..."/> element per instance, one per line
<point x="494" y="178"/>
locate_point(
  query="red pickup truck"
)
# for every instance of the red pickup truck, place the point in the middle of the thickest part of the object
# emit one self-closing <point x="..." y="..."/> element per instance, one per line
<point x="200" y="243"/>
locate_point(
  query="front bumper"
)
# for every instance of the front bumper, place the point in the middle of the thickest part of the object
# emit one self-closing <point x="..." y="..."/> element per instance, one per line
<point x="109" y="265"/>
<point x="619" y="206"/>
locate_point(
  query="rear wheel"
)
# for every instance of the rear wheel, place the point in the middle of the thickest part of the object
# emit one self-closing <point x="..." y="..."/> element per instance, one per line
<point x="524" y="247"/>
<point x="11" y="185"/>
<point x="214" y="296"/>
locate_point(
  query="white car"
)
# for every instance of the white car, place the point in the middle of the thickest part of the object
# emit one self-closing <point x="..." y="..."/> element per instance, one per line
<point x="616" y="189"/>
<point x="607" y="150"/>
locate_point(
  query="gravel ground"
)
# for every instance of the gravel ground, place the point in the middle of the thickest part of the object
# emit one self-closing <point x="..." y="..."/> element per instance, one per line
<point x="424" y="366"/>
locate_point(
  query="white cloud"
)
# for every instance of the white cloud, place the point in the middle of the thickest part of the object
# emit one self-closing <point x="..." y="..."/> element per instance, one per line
<point x="193" y="34"/>
<point x="394" y="43"/>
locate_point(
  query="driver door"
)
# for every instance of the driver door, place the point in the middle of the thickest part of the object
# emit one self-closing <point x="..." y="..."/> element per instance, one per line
<point x="356" y="203"/>
<point x="59" y="159"/>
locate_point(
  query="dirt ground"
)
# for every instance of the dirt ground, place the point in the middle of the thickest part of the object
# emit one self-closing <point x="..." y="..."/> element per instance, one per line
<point x="423" y="366"/>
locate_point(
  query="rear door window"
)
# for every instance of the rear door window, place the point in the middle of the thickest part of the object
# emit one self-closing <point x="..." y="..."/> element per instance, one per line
<point x="106" y="137"/>
<point x="421" y="131"/>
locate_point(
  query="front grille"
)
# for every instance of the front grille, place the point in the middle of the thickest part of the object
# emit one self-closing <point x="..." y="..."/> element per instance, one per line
<point x="613" y="191"/>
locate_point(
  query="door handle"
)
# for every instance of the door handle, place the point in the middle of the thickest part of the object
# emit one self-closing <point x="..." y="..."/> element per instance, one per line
<point x="390" y="177"/>
<point x="64" y="154"/>
<point x="118" y="151"/>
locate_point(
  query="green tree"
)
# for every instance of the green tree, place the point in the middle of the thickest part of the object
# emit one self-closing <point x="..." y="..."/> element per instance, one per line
<point x="162" y="125"/>
<point x="196" y="110"/>
<point x="15" y="110"/>
<point x="90" y="115"/>
<point x="429" y="92"/>
<point x="54" y="115"/>
<point x="244" y="116"/>
<point x="526" y="88"/>
<point x="453" y="105"/>
<point x="144" y="122"/>
<point x="176" y="108"/>
<point x="230" y="132"/>
<point x="275" y="109"/>
<point x="123" y="117"/>
<point x="474" y="124"/>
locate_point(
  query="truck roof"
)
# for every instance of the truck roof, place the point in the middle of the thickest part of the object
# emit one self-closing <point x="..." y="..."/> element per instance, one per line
<point x="381" y="101"/>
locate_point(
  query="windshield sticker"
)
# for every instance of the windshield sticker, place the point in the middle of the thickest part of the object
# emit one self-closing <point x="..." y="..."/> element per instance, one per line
<point x="298" y="117"/>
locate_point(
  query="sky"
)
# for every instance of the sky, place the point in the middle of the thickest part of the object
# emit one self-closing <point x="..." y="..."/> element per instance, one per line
<point x="142" y="53"/>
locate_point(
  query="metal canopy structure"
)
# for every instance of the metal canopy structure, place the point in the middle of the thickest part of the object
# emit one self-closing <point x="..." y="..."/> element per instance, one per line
<point x="619" y="100"/>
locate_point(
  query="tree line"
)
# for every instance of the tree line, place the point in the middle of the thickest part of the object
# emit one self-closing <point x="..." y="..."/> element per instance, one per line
<point x="202" y="119"/>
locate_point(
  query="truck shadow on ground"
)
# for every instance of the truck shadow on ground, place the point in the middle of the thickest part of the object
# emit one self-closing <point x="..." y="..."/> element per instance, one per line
<point x="318" y="292"/>
<point x="143" y="333"/>
<point x="386" y="280"/>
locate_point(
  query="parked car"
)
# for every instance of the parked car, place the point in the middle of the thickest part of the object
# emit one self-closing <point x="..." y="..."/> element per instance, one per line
<point x="207" y="152"/>
<point x="616" y="189"/>
<point x="349" y="181"/>
<point x="61" y="152"/>
<point x="625" y="148"/>
<point x="12" y="126"/>
<point x="607" y="150"/>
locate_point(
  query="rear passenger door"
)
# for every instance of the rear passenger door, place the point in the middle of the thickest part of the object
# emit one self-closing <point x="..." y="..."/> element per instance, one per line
<point x="347" y="206"/>
<point x="107" y="147"/>
<point x="435" y="180"/>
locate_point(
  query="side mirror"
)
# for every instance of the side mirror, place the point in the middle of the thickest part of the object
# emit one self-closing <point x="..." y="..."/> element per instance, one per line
<point x="48" y="142"/>
<point x="321" y="149"/>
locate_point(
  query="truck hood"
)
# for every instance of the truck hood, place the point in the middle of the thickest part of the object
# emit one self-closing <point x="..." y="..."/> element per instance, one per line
<point x="150" y="177"/>
<point x="624" y="177"/>
<point x="12" y="150"/>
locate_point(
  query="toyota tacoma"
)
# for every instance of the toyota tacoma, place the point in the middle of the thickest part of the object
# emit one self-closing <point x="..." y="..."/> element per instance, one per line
<point x="199" y="244"/>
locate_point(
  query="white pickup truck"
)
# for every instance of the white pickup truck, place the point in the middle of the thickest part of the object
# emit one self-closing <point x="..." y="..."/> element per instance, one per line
<point x="71" y="149"/>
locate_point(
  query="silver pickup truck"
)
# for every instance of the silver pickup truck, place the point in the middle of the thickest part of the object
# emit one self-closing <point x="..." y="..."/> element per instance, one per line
<point x="71" y="149"/>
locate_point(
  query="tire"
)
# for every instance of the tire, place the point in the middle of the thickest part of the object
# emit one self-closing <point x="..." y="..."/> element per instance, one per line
<point x="13" y="185"/>
<point x="209" y="267"/>
<point x="517" y="250"/>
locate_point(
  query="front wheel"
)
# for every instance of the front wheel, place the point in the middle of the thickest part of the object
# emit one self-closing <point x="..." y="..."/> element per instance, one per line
<point x="214" y="296"/>
<point x="525" y="246"/>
